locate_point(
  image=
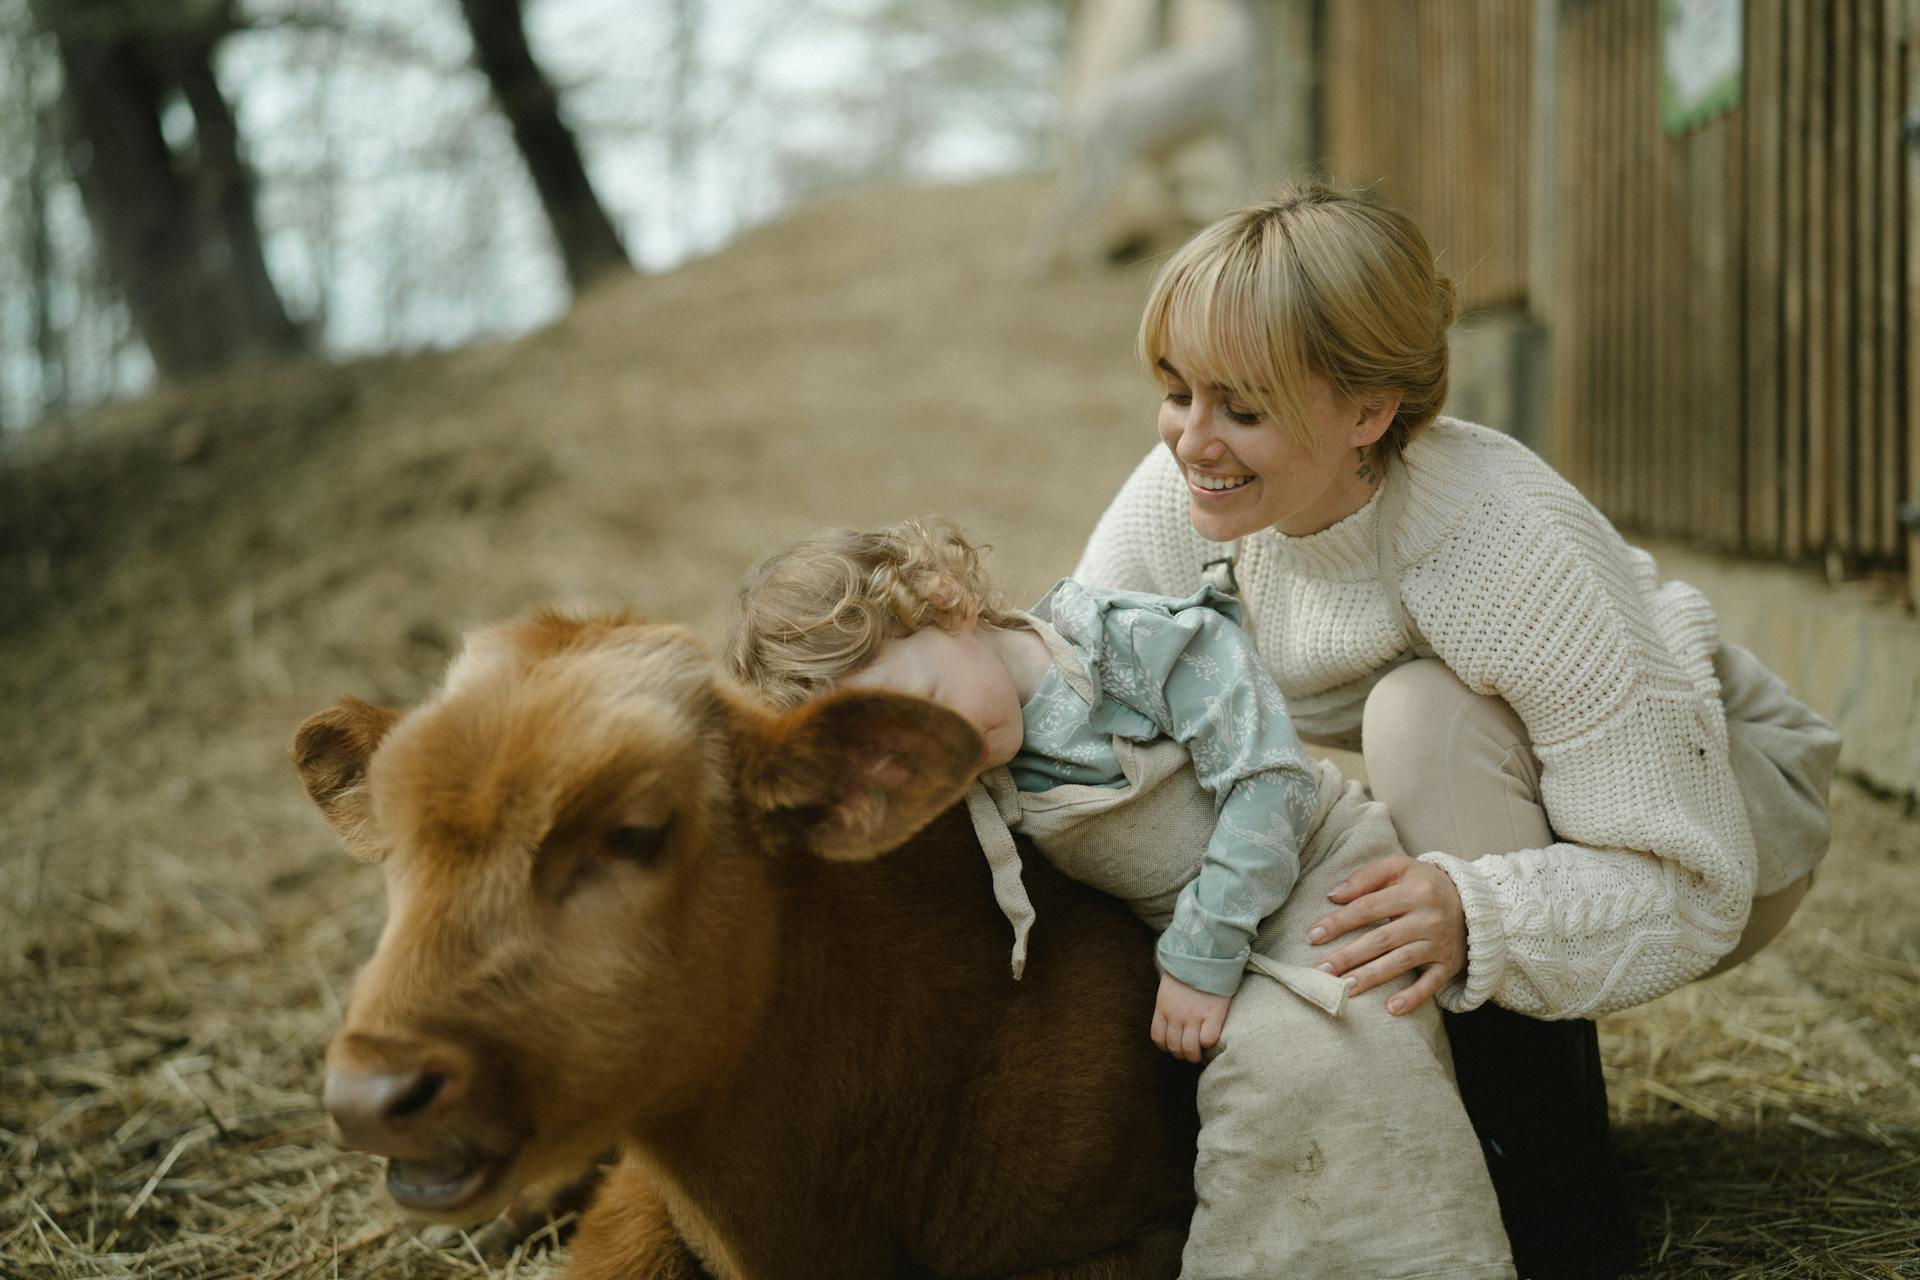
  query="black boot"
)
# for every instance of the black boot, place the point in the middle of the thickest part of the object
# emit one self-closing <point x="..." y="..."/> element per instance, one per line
<point x="1538" y="1102"/>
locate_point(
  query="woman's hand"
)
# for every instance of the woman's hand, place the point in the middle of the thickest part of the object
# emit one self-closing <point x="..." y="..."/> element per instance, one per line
<point x="1425" y="929"/>
<point x="1187" y="1022"/>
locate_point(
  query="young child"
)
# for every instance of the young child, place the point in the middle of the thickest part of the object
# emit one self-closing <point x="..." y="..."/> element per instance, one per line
<point x="909" y="609"/>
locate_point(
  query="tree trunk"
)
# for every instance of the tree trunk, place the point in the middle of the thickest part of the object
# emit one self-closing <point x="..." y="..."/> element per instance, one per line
<point x="177" y="230"/>
<point x="50" y="356"/>
<point x="589" y="246"/>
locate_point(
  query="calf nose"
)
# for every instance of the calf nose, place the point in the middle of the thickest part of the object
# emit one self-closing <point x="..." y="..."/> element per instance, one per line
<point x="372" y="1108"/>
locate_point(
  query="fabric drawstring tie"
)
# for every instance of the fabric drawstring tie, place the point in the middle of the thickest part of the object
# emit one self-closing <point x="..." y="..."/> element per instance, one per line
<point x="1321" y="990"/>
<point x="994" y="805"/>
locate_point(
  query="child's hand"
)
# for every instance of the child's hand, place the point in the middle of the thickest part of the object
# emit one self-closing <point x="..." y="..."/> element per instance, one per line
<point x="1425" y="928"/>
<point x="1186" y="1021"/>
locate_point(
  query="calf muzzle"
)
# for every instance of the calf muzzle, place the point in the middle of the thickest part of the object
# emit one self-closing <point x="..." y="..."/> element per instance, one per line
<point x="415" y="1104"/>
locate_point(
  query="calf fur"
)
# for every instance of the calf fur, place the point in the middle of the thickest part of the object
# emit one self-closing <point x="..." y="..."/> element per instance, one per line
<point x="629" y="903"/>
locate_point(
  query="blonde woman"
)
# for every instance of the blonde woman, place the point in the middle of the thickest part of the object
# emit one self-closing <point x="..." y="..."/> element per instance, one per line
<point x="1546" y="721"/>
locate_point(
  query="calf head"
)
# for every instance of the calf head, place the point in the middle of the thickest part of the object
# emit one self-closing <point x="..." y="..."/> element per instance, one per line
<point x="579" y="834"/>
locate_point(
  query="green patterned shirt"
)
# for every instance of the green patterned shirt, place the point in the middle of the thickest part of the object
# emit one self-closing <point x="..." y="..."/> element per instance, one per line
<point x="1182" y="669"/>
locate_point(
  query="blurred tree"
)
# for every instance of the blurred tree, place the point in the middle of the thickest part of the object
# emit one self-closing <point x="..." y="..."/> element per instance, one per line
<point x="589" y="246"/>
<point x="33" y="358"/>
<point x="681" y="118"/>
<point x="156" y="154"/>
<point x="50" y="355"/>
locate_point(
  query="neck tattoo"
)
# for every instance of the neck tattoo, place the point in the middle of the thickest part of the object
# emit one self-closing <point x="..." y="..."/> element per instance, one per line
<point x="1366" y="471"/>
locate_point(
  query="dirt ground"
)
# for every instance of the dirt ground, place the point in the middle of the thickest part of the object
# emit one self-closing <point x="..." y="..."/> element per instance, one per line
<point x="183" y="579"/>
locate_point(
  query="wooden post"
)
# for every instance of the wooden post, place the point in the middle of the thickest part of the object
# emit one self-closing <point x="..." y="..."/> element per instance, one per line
<point x="1842" y="407"/>
<point x="1911" y="118"/>
<point x="1763" y="277"/>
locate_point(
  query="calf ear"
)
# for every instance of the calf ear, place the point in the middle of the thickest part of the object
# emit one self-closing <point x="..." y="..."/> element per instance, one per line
<point x="331" y="750"/>
<point x="859" y="772"/>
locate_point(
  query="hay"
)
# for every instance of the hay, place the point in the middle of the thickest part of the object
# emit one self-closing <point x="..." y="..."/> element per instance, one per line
<point x="1770" y="1118"/>
<point x="176" y="927"/>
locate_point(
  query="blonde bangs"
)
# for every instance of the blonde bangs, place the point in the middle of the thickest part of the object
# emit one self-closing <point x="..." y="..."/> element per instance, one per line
<point x="1234" y="296"/>
<point x="1314" y="283"/>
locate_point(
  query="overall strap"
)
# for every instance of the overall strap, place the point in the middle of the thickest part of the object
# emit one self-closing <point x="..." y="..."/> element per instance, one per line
<point x="1221" y="576"/>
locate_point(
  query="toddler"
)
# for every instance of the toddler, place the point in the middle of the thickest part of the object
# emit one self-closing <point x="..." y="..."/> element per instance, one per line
<point x="1057" y="694"/>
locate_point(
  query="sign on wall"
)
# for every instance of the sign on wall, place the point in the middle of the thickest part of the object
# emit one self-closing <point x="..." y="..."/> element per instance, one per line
<point x="1700" y="60"/>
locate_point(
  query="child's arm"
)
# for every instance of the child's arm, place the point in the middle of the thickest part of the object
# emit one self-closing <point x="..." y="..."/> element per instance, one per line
<point x="1203" y="681"/>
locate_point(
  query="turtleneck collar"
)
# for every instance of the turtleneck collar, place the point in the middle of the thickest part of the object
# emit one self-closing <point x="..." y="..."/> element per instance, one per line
<point x="1344" y="550"/>
<point x="1444" y="472"/>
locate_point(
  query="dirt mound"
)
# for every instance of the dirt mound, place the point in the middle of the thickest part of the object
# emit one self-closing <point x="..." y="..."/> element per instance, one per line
<point x="183" y="579"/>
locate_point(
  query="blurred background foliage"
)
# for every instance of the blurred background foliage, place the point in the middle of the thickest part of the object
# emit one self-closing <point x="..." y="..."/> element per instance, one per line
<point x="193" y="185"/>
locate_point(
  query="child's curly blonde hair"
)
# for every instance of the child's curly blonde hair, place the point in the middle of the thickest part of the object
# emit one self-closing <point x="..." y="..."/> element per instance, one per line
<point x="816" y="612"/>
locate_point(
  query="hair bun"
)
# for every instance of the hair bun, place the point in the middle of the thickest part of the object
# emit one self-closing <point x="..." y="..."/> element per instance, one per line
<point x="1444" y="294"/>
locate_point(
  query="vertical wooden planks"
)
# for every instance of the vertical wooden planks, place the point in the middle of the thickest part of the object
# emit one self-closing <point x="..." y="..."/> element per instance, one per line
<point x="1819" y="278"/>
<point x="1765" y="203"/>
<point x="1568" y="250"/>
<point x="1794" y="296"/>
<point x="1668" y="313"/>
<point x="1842" y="415"/>
<point x="1607" y="420"/>
<point x="1345" y="63"/>
<point x="1728" y="397"/>
<point x="1885" y="267"/>
<point x="1896" y="407"/>
<point x="1426" y="101"/>
<point x="1911" y="304"/>
<point x="1732" y="308"/>
<point x="1580" y="175"/>
<point x="1659" y="250"/>
<point x="1864" y="426"/>
<point x="1645" y="250"/>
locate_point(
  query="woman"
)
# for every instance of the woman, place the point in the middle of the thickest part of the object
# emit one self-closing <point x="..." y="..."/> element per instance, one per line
<point x="1542" y="717"/>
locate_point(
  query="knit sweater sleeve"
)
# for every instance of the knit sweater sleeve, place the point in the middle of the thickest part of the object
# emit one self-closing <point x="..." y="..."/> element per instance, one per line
<point x="1536" y="599"/>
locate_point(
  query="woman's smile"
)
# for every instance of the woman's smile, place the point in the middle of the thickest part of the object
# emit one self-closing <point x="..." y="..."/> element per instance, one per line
<point x="1208" y="486"/>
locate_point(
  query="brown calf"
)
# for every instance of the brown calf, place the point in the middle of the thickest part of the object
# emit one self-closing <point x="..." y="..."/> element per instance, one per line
<point x="629" y="904"/>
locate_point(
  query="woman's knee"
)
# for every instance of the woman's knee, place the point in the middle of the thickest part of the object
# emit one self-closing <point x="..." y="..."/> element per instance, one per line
<point x="1455" y="768"/>
<point x="1411" y="719"/>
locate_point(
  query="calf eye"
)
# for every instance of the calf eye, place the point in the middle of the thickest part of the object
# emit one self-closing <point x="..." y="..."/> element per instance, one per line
<point x="640" y="845"/>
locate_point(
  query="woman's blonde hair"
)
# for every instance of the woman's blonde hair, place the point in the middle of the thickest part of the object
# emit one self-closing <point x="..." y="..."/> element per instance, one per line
<point x="1313" y="282"/>
<point x="816" y="612"/>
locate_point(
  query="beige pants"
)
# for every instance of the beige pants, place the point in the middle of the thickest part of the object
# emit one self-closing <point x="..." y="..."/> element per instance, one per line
<point x="1457" y="771"/>
<point x="1336" y="1148"/>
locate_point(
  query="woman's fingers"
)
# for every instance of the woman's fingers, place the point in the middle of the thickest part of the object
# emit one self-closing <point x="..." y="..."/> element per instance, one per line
<point x="1391" y="965"/>
<point x="1370" y="945"/>
<point x="1432" y="978"/>
<point x="1376" y="874"/>
<point x="1159" y="1032"/>
<point x="1384" y="904"/>
<point x="1424" y="928"/>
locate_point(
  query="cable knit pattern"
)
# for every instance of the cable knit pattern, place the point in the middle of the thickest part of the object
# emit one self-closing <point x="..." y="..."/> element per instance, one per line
<point x="1527" y="593"/>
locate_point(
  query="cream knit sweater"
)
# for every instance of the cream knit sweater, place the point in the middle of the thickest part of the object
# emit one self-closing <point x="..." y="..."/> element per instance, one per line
<point x="1526" y="592"/>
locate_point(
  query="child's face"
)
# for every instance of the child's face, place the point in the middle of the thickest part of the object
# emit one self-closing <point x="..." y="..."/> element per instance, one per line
<point x="961" y="672"/>
<point x="1245" y="473"/>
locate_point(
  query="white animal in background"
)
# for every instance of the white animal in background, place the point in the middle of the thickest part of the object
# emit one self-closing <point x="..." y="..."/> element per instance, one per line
<point x="1144" y="113"/>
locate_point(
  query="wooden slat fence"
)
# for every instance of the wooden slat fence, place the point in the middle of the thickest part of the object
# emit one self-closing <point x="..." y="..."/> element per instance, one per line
<point x="1734" y="328"/>
<point x="1427" y="101"/>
